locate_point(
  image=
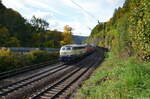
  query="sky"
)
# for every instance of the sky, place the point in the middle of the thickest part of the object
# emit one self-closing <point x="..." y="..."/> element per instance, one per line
<point x="81" y="15"/>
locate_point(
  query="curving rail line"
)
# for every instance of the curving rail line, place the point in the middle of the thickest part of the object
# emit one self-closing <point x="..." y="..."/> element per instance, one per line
<point x="24" y="82"/>
<point x="13" y="72"/>
<point x="57" y="89"/>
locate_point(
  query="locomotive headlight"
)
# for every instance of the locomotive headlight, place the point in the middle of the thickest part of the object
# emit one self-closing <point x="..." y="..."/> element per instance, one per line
<point x="64" y="53"/>
<point x="69" y="55"/>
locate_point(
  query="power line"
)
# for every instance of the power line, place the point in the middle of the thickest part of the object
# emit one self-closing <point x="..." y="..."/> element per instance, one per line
<point x="91" y="15"/>
<point x="84" y="10"/>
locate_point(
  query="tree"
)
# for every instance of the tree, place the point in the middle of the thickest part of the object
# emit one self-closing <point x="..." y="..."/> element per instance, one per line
<point x="3" y="36"/>
<point x="40" y="26"/>
<point x="68" y="29"/>
<point x="13" y="42"/>
<point x="67" y="34"/>
<point x="1" y="5"/>
<point x="53" y="38"/>
<point x="16" y="25"/>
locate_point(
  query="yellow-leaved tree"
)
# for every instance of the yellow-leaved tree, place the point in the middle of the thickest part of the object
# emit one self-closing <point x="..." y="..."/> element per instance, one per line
<point x="67" y="34"/>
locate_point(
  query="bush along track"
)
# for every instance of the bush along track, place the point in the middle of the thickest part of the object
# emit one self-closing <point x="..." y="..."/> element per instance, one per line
<point x="9" y="60"/>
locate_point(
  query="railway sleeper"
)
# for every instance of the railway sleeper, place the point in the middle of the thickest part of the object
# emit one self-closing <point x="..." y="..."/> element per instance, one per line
<point x="49" y="94"/>
<point x="61" y="97"/>
<point x="44" y="97"/>
<point x="59" y="88"/>
<point x="10" y="88"/>
<point x="56" y="90"/>
<point x="5" y="90"/>
<point x="1" y="92"/>
<point x="62" y="85"/>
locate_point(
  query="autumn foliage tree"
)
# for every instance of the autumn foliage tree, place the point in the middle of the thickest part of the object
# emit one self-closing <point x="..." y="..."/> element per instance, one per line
<point x="67" y="34"/>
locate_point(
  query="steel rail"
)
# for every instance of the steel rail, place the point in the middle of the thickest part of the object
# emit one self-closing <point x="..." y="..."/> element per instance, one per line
<point x="24" y="82"/>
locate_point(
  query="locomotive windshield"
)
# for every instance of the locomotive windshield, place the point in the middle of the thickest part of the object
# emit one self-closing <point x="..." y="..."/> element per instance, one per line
<point x="66" y="48"/>
<point x="63" y="48"/>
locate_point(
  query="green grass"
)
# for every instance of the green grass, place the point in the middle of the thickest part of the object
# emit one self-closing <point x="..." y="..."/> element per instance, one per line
<point x="118" y="79"/>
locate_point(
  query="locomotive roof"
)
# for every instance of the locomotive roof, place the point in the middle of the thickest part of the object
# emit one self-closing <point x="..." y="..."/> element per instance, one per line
<point x="74" y="45"/>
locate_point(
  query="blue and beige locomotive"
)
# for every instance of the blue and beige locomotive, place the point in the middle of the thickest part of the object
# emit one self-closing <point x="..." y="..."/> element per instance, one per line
<point x="72" y="52"/>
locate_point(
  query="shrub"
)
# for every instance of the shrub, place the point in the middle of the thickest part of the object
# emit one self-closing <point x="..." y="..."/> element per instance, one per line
<point x="40" y="55"/>
<point x="9" y="60"/>
<point x="6" y="59"/>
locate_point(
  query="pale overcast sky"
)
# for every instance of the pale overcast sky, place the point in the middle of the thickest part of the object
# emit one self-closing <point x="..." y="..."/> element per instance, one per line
<point x="79" y="14"/>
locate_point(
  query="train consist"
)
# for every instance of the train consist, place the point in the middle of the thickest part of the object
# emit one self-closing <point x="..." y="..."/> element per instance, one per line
<point x="72" y="52"/>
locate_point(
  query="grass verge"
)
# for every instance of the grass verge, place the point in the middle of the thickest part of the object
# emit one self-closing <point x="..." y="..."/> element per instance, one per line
<point x="117" y="79"/>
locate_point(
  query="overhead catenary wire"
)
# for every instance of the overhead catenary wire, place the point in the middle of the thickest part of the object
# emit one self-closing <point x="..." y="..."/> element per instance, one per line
<point x="87" y="12"/>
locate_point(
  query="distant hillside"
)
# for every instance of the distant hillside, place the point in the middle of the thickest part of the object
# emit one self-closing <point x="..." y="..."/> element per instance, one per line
<point x="79" y="39"/>
<point x="16" y="31"/>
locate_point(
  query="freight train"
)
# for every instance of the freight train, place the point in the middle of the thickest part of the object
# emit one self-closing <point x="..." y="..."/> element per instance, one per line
<point x="73" y="52"/>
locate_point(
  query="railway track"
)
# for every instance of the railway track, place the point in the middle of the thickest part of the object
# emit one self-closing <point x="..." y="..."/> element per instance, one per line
<point x="51" y="83"/>
<point x="58" y="89"/>
<point x="5" y="90"/>
<point x="14" y="72"/>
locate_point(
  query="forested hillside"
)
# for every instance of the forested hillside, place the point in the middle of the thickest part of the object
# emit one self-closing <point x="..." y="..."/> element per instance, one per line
<point x="79" y="39"/>
<point x="16" y="31"/>
<point x="127" y="33"/>
<point x="125" y="72"/>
